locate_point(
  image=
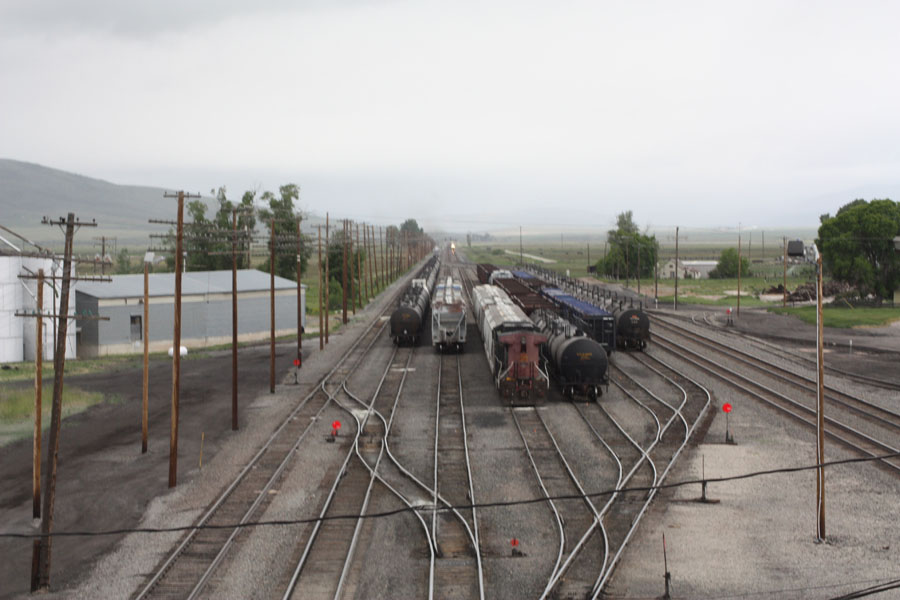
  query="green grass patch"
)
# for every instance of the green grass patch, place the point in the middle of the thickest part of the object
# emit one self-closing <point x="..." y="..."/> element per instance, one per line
<point x="17" y="408"/>
<point x="25" y="370"/>
<point x="843" y="317"/>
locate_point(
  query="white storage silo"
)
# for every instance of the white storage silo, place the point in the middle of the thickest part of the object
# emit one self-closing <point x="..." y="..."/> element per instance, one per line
<point x="12" y="345"/>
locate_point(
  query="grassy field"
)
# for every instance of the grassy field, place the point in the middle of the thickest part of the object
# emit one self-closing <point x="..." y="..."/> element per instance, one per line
<point x="833" y="316"/>
<point x="719" y="292"/>
<point x="17" y="408"/>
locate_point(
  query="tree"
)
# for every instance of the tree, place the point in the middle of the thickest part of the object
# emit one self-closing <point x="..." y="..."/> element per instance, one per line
<point x="628" y="249"/>
<point x="857" y="246"/>
<point x="281" y="209"/>
<point x="728" y="265"/>
<point x="123" y="262"/>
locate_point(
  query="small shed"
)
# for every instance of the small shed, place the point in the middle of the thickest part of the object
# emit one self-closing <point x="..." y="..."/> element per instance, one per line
<point x="205" y="310"/>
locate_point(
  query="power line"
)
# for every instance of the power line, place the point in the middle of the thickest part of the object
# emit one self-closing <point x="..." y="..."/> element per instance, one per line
<point x="430" y="509"/>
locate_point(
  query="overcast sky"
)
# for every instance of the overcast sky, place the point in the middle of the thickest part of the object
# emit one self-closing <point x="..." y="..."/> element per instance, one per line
<point x="471" y="113"/>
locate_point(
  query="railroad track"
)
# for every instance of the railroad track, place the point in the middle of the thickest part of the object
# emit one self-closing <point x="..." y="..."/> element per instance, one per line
<point x="804" y="361"/>
<point x="458" y="568"/>
<point x="324" y="567"/>
<point x="837" y="428"/>
<point x="185" y="572"/>
<point x="576" y="519"/>
<point x="649" y="460"/>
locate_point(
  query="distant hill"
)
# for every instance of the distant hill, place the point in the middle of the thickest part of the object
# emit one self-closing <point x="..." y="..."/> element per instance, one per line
<point x="29" y="191"/>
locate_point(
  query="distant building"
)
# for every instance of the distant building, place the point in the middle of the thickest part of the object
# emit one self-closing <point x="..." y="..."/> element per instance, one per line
<point x="205" y="310"/>
<point x="688" y="269"/>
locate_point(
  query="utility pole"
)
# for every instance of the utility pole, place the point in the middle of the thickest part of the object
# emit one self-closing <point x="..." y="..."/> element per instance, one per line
<point x="38" y="383"/>
<point x="784" y="274"/>
<point x="359" y="273"/>
<point x="234" y="323"/>
<point x="321" y="285"/>
<point x="145" y="387"/>
<point x="521" y="253"/>
<point x="272" y="309"/>
<point x="820" y="402"/>
<point x="327" y="281"/>
<point x="384" y="279"/>
<point x="103" y="256"/>
<point x="299" y="292"/>
<point x="739" y="274"/>
<point x="176" y="337"/>
<point x="676" y="268"/>
<point x="59" y="363"/>
<point x="344" y="276"/>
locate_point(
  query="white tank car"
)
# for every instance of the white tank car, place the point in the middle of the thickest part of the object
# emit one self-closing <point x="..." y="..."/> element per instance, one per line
<point x="448" y="316"/>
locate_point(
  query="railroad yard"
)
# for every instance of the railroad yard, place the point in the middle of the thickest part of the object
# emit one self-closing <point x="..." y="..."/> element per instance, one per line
<point x="467" y="494"/>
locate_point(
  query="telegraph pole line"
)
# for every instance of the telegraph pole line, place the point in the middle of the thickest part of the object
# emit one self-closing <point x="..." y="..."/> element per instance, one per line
<point x="360" y="279"/>
<point x="739" y="274"/>
<point x="272" y="309"/>
<point x="344" y="276"/>
<point x="176" y="335"/>
<point x="320" y="286"/>
<point x="384" y="279"/>
<point x="368" y="258"/>
<point x="103" y="260"/>
<point x="327" y="283"/>
<point x="38" y="383"/>
<point x="59" y="363"/>
<point x="784" y="274"/>
<point x="676" y="268"/>
<point x="299" y="292"/>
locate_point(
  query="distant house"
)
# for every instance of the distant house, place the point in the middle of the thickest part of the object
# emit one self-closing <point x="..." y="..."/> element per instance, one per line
<point x="688" y="269"/>
<point x="205" y="310"/>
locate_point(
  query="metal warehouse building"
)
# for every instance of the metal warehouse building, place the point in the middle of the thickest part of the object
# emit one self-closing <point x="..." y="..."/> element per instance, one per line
<point x="205" y="310"/>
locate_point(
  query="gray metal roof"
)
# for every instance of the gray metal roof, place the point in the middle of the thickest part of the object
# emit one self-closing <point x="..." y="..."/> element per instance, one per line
<point x="192" y="283"/>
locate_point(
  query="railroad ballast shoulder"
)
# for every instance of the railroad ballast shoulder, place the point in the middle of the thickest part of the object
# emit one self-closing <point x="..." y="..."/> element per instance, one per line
<point x="511" y="344"/>
<point x="407" y="319"/>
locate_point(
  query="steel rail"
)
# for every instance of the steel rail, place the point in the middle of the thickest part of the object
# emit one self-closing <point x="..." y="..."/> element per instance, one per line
<point x="223" y="497"/>
<point x="884" y="447"/>
<point x="601" y="582"/>
<point x="808" y="362"/>
<point x="332" y="492"/>
<point x="890" y="419"/>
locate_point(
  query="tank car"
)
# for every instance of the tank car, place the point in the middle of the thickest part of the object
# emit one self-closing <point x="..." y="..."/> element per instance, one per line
<point x="407" y="319"/>
<point x="512" y="345"/>
<point x="578" y="363"/>
<point x="448" y="316"/>
<point x="632" y="327"/>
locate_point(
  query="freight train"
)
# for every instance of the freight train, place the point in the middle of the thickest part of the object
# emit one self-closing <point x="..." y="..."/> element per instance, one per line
<point x="596" y="322"/>
<point x="448" y="316"/>
<point x="512" y="345"/>
<point x="578" y="363"/>
<point x="407" y="319"/>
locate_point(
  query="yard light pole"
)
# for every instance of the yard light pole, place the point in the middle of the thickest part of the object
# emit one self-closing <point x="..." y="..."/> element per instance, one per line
<point x="820" y="400"/>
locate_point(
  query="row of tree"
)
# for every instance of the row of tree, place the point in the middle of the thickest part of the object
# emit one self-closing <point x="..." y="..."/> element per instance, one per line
<point x="208" y="240"/>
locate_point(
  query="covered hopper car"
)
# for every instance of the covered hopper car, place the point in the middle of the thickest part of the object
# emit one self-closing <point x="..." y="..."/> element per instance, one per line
<point x="448" y="316"/>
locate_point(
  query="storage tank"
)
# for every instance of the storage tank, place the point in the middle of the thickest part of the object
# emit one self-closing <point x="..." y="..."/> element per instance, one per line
<point x="12" y="346"/>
